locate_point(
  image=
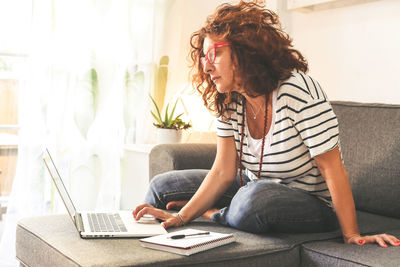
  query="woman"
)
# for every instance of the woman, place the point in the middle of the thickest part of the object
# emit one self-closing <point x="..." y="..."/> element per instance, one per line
<point x="274" y="124"/>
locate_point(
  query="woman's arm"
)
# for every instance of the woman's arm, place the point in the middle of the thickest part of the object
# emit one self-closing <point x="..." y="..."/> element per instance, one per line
<point x="332" y="169"/>
<point x="217" y="181"/>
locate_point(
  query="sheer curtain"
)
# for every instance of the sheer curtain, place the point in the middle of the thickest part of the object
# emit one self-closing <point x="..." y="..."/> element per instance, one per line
<point x="90" y="70"/>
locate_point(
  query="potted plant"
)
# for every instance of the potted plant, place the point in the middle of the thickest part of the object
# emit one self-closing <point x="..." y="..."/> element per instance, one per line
<point x="169" y="127"/>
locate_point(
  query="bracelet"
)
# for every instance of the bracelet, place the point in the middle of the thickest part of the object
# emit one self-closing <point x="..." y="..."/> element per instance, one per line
<point x="180" y="217"/>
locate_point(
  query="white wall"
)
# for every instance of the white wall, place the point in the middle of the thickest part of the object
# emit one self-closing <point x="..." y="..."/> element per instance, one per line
<point x="353" y="51"/>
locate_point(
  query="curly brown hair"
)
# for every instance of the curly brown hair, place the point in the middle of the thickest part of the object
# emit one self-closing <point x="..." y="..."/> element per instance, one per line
<point x="263" y="53"/>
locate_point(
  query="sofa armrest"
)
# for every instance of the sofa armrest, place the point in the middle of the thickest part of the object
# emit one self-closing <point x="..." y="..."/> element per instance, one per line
<point x="168" y="157"/>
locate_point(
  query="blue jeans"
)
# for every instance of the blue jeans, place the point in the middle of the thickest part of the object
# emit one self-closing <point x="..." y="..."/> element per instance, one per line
<point x="260" y="206"/>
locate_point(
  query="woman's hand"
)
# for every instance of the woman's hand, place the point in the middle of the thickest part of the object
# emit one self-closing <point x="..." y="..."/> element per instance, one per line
<point x="167" y="218"/>
<point x="381" y="239"/>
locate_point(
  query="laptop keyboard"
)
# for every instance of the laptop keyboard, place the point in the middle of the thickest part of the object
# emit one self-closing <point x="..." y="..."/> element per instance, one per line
<point x="106" y="222"/>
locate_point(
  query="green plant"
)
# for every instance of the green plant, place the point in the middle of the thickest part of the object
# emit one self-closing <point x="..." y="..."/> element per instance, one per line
<point x="86" y="101"/>
<point x="169" y="121"/>
<point x="4" y="66"/>
<point x="133" y="93"/>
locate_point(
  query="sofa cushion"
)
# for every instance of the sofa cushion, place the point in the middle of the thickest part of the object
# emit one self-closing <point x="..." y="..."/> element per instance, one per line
<point x="374" y="223"/>
<point x="336" y="253"/>
<point x="370" y="142"/>
<point x="53" y="241"/>
<point x="367" y="222"/>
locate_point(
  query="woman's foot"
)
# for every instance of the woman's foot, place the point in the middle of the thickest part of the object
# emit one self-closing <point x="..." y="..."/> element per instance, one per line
<point x="176" y="205"/>
<point x="209" y="212"/>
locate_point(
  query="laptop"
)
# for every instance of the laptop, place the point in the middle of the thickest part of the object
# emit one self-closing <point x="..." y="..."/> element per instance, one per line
<point x="103" y="224"/>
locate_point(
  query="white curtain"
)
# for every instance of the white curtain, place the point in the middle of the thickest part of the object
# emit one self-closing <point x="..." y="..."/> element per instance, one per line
<point x="90" y="72"/>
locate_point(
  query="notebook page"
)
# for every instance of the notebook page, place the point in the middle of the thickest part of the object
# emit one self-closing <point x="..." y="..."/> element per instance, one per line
<point x="187" y="242"/>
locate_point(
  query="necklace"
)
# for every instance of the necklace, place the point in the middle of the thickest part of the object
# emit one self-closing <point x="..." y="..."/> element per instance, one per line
<point x="242" y="138"/>
<point x="254" y="113"/>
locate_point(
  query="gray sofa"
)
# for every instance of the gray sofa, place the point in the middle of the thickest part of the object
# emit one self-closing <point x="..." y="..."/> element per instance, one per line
<point x="370" y="140"/>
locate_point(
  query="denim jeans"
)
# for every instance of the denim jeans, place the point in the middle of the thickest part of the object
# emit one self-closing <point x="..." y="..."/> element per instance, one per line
<point x="259" y="206"/>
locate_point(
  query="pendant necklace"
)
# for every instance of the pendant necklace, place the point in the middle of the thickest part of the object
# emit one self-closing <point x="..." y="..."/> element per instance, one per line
<point x="254" y="113"/>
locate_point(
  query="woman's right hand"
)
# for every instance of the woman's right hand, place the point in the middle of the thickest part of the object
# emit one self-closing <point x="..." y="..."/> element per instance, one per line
<point x="168" y="219"/>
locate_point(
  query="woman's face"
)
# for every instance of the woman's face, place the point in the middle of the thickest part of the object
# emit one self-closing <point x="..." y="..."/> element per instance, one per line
<point x="218" y="64"/>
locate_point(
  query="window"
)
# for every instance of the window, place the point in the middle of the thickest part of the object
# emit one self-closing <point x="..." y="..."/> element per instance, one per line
<point x="14" y="33"/>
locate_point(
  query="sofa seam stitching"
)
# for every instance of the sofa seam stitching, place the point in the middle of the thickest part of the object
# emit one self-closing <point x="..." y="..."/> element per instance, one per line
<point x="325" y="254"/>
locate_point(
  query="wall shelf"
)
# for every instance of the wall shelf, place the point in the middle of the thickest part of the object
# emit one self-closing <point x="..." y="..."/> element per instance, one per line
<point x="315" y="5"/>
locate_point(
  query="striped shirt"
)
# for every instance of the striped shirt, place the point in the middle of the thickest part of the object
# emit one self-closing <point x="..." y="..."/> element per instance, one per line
<point x="303" y="126"/>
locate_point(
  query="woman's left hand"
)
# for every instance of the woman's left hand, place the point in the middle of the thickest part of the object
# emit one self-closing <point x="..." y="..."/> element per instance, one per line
<point x="381" y="239"/>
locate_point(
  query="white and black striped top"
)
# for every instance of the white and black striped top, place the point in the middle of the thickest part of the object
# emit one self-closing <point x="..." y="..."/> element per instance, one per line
<point x="304" y="126"/>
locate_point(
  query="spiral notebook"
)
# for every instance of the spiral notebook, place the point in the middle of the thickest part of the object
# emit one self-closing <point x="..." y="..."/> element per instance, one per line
<point x="188" y="245"/>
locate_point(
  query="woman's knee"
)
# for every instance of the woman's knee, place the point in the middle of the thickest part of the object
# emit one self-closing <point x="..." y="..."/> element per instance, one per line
<point x="158" y="185"/>
<point x="160" y="181"/>
<point x="248" y="209"/>
<point x="173" y="185"/>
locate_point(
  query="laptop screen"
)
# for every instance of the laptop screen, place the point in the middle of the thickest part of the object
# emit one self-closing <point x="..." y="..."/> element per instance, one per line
<point x="59" y="184"/>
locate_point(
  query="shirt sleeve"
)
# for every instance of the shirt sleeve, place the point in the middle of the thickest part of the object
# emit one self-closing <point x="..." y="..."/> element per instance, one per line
<point x="224" y="128"/>
<point x="317" y="125"/>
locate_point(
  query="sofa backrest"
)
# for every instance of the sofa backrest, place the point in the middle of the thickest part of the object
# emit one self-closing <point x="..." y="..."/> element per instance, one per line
<point x="370" y="145"/>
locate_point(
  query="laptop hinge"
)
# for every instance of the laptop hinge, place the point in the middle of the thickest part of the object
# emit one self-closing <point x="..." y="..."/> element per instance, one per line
<point x="78" y="222"/>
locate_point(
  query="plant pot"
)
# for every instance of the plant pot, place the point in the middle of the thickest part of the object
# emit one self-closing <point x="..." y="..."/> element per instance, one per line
<point x="168" y="136"/>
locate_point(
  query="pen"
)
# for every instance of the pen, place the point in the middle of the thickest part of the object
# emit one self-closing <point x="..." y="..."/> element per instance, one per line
<point x="183" y="236"/>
